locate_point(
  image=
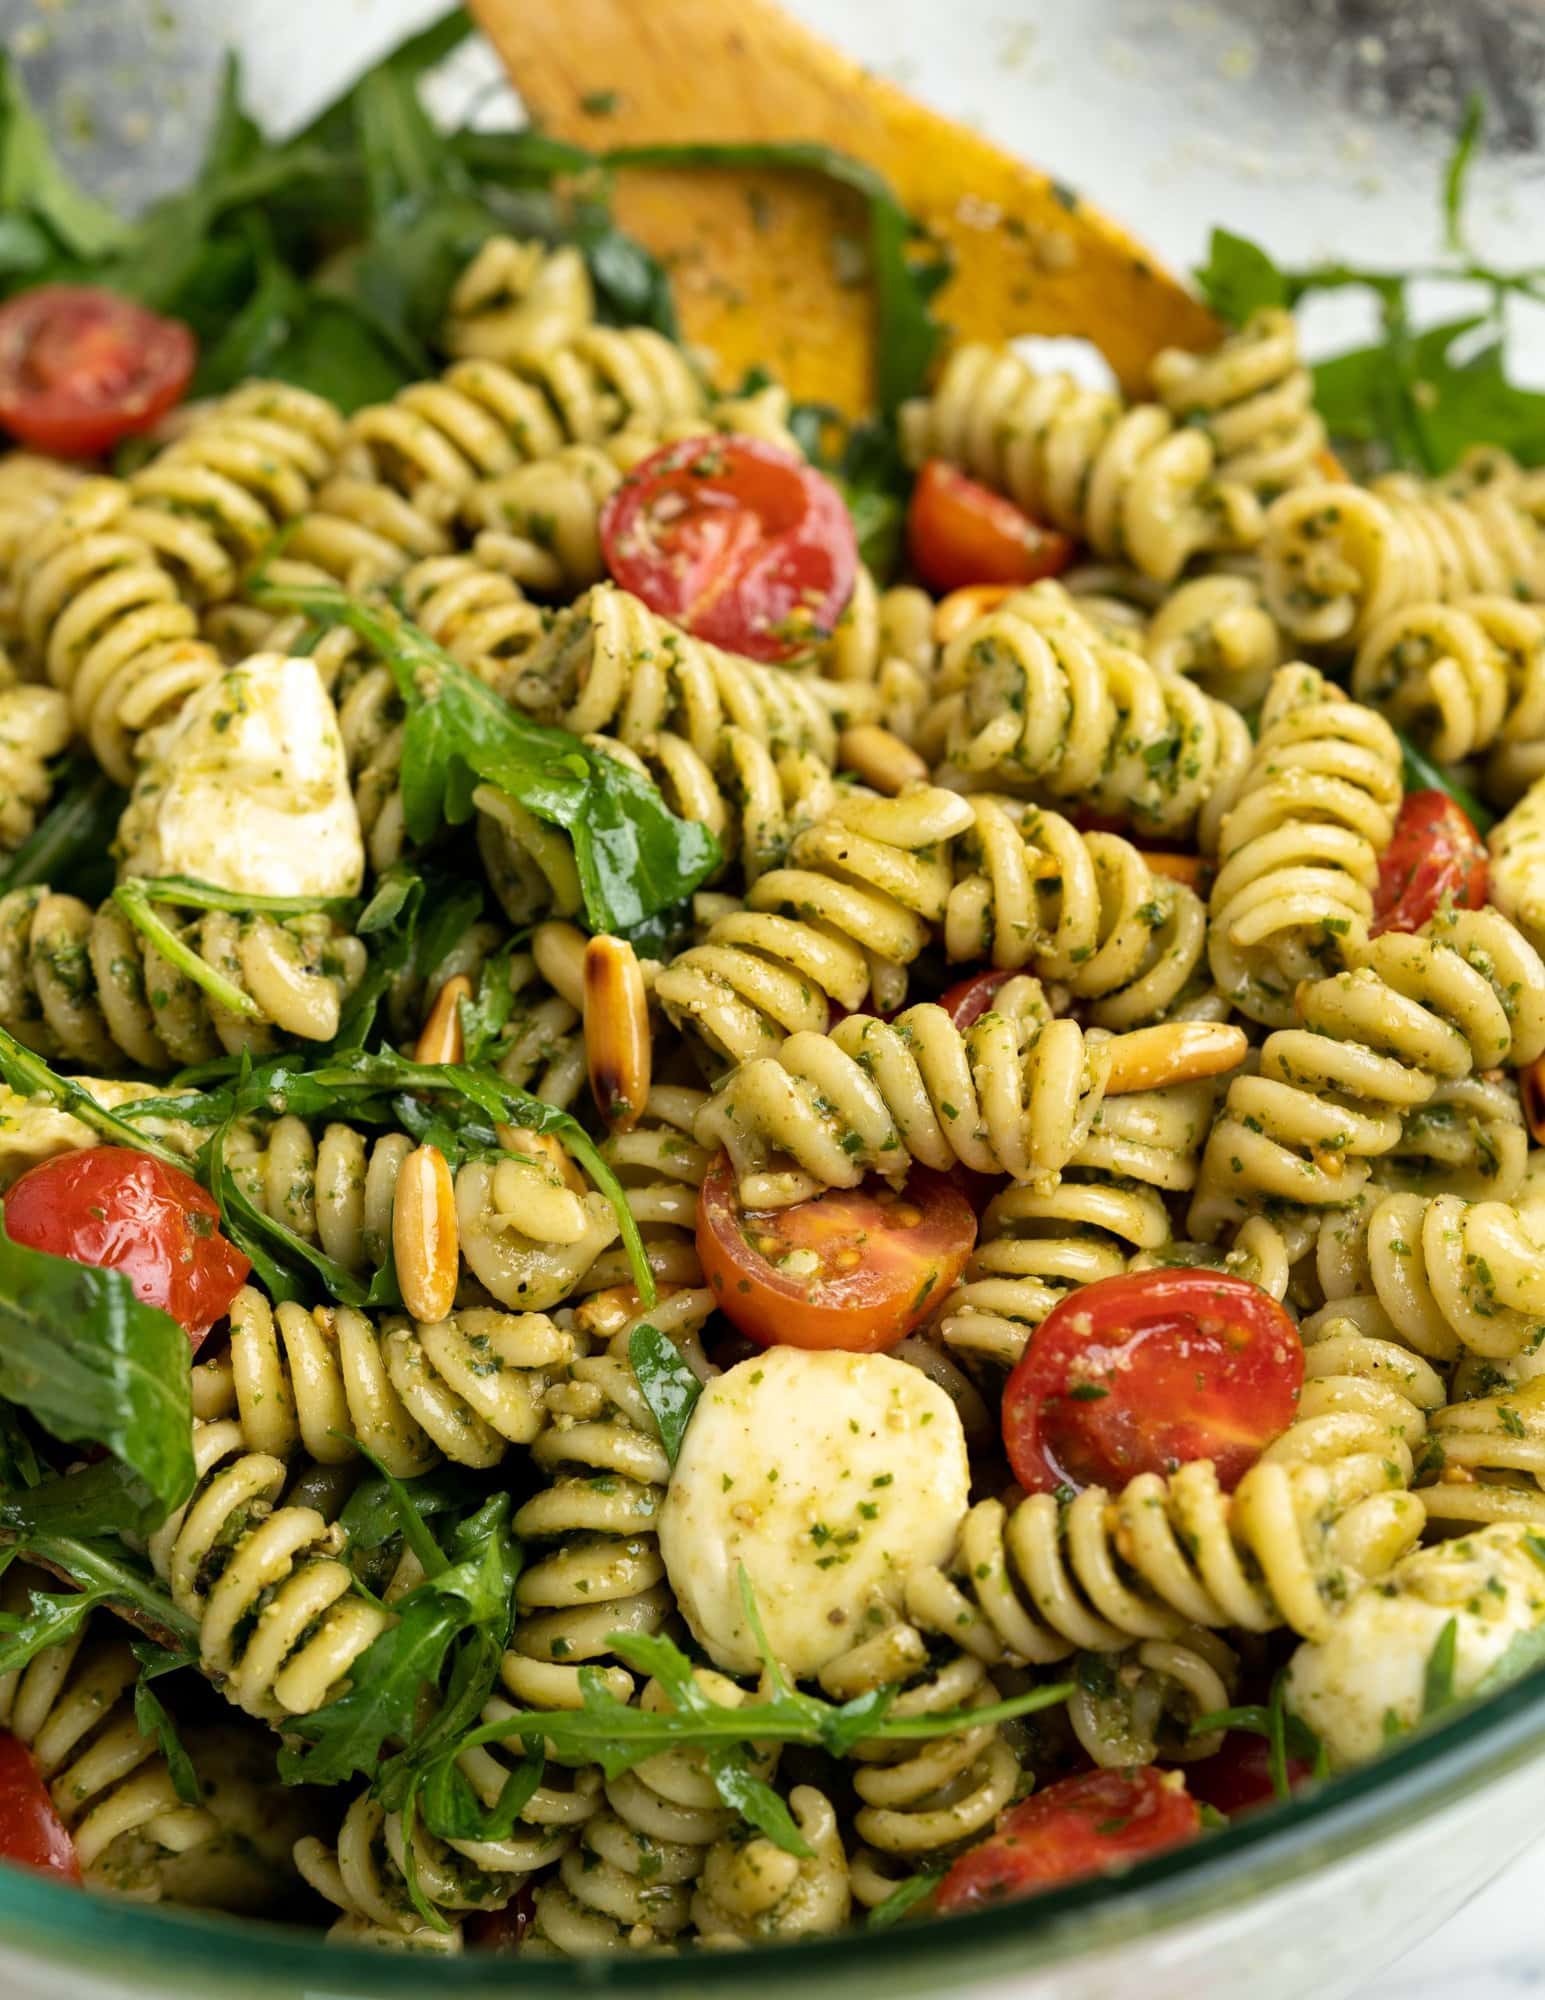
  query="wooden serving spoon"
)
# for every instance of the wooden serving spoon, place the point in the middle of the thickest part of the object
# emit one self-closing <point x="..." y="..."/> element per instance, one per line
<point x="757" y="258"/>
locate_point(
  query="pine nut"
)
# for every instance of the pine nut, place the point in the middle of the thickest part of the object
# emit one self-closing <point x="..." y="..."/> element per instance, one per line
<point x="961" y="608"/>
<point x="441" y="1040"/>
<point x="1173" y="1052"/>
<point x="618" y="1045"/>
<point x="1531" y="1088"/>
<point x="426" y="1242"/>
<point x="880" y="758"/>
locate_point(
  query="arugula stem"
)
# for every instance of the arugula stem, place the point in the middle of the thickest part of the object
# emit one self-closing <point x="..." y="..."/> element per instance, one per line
<point x="132" y="899"/>
<point x="30" y="1076"/>
<point x="98" y="1568"/>
<point x="191" y="894"/>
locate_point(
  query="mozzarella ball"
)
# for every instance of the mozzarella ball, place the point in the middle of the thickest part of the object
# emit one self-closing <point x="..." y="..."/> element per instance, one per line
<point x="829" y="1476"/>
<point x="248" y="789"/>
<point x="1366" y="1681"/>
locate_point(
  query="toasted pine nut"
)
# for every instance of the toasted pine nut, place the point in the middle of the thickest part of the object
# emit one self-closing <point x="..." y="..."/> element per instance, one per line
<point x="1188" y="868"/>
<point x="1173" y="1052"/>
<point x="961" y="608"/>
<point x="618" y="1045"/>
<point x="1531" y="1088"/>
<point x="426" y="1240"/>
<point x="441" y="1040"/>
<point x="880" y="758"/>
<point x="544" y="1147"/>
<point x="604" y="1313"/>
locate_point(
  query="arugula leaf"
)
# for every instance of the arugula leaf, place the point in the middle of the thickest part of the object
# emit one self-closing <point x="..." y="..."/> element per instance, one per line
<point x="34" y="187"/>
<point x="151" y="1715"/>
<point x="473" y="1589"/>
<point x="93" y="1363"/>
<point x="669" y="1387"/>
<point x="904" y="1898"/>
<point x="453" y="1811"/>
<point x="47" y="1621"/>
<point x="30" y="1076"/>
<point x="102" y="1573"/>
<point x="635" y="857"/>
<point x="372" y="1514"/>
<point x="749" y="1794"/>
<point x="1420" y="774"/>
<point x="1240" y="278"/>
<point x="68" y="848"/>
<point x="1456" y="173"/>
<point x="1438" y="1674"/>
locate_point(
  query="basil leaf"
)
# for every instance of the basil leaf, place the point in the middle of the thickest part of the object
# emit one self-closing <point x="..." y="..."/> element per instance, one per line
<point x="92" y="1363"/>
<point x="669" y="1387"/>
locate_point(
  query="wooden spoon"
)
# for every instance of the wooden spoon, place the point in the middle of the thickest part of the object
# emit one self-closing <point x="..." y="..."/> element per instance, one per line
<point x="763" y="263"/>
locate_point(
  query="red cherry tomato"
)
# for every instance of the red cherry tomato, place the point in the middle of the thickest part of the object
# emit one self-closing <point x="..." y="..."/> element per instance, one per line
<point x="1435" y="852"/>
<point x="1078" y="1826"/>
<point x="960" y="533"/>
<point x="1237" y="1779"/>
<point x="1146" y="1372"/>
<point x="32" y="1835"/>
<point x="115" y="1207"/>
<point x="969" y="999"/>
<point x="502" y="1931"/>
<point x="868" y="1263"/>
<point x="81" y="368"/>
<point x="737" y="541"/>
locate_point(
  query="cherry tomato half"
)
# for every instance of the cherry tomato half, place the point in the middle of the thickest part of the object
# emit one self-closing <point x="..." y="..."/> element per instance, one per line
<point x="32" y="1835"/>
<point x="81" y="368"/>
<point x="960" y="532"/>
<point x="1435" y="852"/>
<point x="112" y="1206"/>
<point x="1078" y="1826"/>
<point x="1148" y="1371"/>
<point x="969" y="999"/>
<point x="1237" y="1778"/>
<point x="737" y="541"/>
<point x="853" y="1267"/>
<point x="502" y="1931"/>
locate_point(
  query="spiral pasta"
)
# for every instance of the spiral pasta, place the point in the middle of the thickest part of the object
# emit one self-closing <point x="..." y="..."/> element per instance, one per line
<point x="100" y="614"/>
<point x="1036" y="1245"/>
<point x="409" y="465"/>
<point x="1141" y="1704"/>
<point x="1217" y="631"/>
<point x="211" y="500"/>
<point x="752" y="1891"/>
<point x="515" y="302"/>
<point x="467" y="1388"/>
<point x="1460" y="678"/>
<point x="628" y="1883"/>
<point x="85" y="985"/>
<point x="1338" y="560"/>
<point x="1031" y="698"/>
<point x="232" y="1550"/>
<point x="599" y="1569"/>
<point x="1014" y="1094"/>
<point x="842" y="921"/>
<point x="1254" y="398"/>
<point x="1082" y="910"/>
<point x="1127" y="481"/>
<point x="1487" y="1458"/>
<point x="1298" y="850"/>
<point x="1330" y="1097"/>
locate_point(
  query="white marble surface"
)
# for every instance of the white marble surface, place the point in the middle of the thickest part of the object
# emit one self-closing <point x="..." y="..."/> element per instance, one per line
<point x="1493" y="1950"/>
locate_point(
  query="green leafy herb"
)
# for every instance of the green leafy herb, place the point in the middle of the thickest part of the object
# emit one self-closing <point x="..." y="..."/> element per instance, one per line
<point x="102" y="1573"/>
<point x="669" y="1387"/>
<point x="749" y="1794"/>
<point x="151" y="1715"/>
<point x="68" y="848"/>
<point x="91" y="1362"/>
<point x="1438" y="1674"/>
<point x="635" y="857"/>
<point x="904" y="1898"/>
<point x="1420" y="774"/>
<point x="1287" y="1735"/>
<point x="30" y="1076"/>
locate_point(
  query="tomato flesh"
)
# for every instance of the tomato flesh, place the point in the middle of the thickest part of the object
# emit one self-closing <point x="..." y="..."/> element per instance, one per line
<point x="960" y="532"/>
<point x="32" y="1835"/>
<point x="1078" y="1826"/>
<point x="1237" y="1778"/>
<point x="855" y="1268"/>
<point x="1149" y="1371"/>
<point x="81" y="368"/>
<point x="969" y="999"/>
<point x="736" y="541"/>
<point x="1435" y="853"/>
<point x="129" y="1212"/>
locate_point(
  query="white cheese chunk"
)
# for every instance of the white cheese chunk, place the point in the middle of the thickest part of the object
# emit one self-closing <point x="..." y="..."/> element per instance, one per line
<point x="34" y="1129"/>
<point x="248" y="789"/>
<point x="1367" y="1680"/>
<point x="829" y="1476"/>
<point x="1516" y="877"/>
